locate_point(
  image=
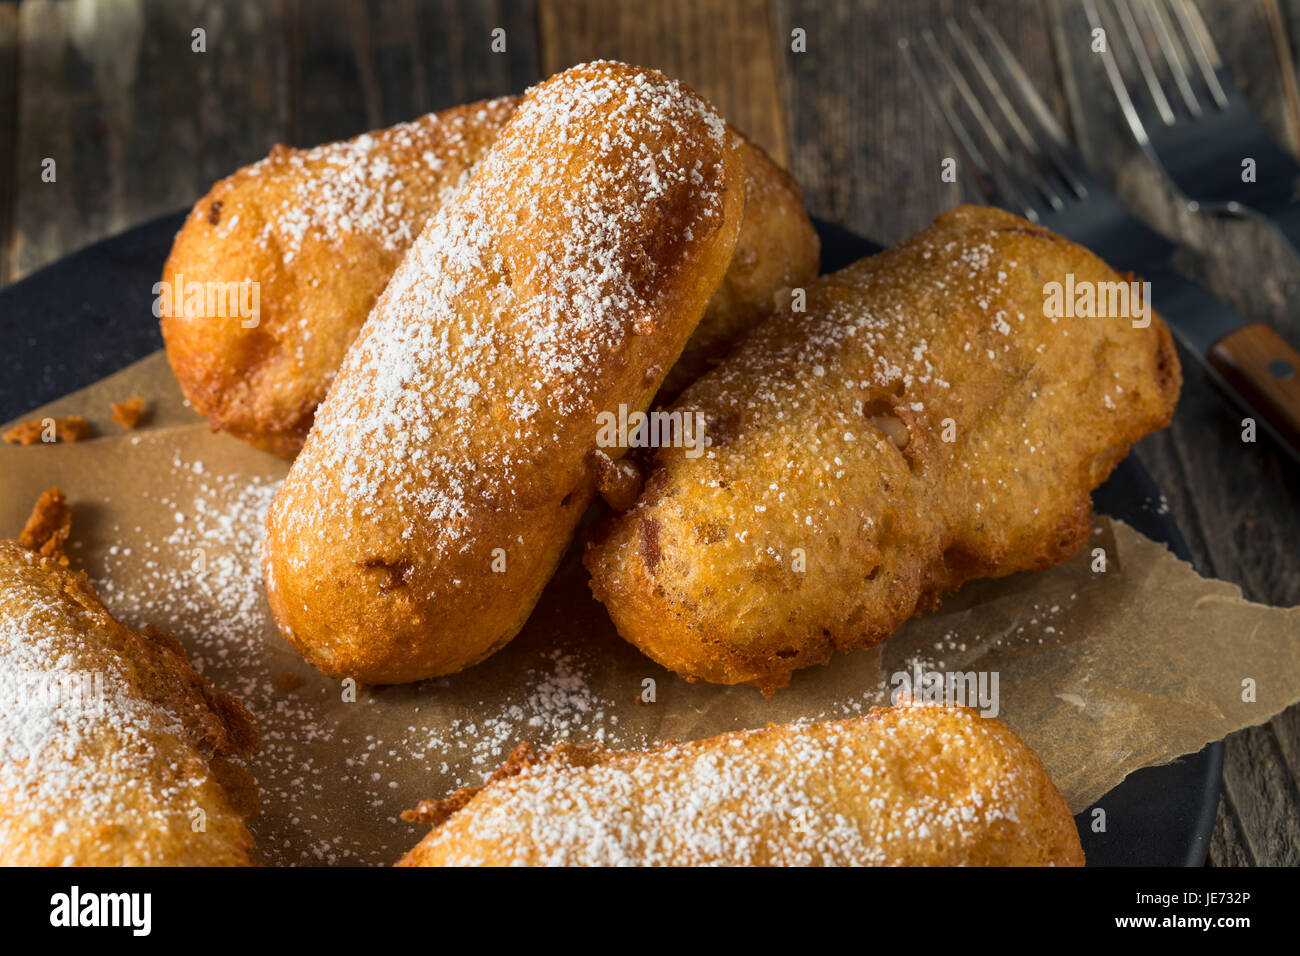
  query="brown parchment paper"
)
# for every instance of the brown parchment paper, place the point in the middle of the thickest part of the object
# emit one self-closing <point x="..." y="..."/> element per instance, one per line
<point x="1101" y="673"/>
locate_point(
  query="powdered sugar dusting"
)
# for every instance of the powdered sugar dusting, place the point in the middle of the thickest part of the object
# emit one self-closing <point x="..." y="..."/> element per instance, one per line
<point x="311" y="742"/>
<point x="458" y="339"/>
<point x="78" y="735"/>
<point x="835" y="793"/>
<point x="377" y="184"/>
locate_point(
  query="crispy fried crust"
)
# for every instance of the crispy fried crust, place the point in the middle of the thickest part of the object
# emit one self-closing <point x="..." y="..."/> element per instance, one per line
<point x="48" y="526"/>
<point x="914" y="785"/>
<point x="72" y="428"/>
<point x="452" y="459"/>
<point x="806" y="529"/>
<point x="321" y="231"/>
<point x="281" y="223"/>
<point x="129" y="413"/>
<point x="113" y="751"/>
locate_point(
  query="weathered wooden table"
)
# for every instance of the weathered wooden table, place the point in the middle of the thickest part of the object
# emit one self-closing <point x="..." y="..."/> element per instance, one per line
<point x="140" y="124"/>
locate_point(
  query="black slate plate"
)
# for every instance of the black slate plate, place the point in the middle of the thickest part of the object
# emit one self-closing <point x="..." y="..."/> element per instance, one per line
<point x="90" y="314"/>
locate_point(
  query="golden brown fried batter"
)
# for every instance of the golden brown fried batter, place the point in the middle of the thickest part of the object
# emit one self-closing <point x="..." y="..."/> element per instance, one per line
<point x="72" y="428"/>
<point x="48" y="526"/>
<point x="922" y="424"/>
<point x="451" y="461"/>
<point x="917" y="785"/>
<point x="113" y="751"/>
<point x="322" y="230"/>
<point x="128" y="413"/>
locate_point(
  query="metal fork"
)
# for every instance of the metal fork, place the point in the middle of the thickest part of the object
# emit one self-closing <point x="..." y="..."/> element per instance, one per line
<point x="1026" y="165"/>
<point x="1201" y="132"/>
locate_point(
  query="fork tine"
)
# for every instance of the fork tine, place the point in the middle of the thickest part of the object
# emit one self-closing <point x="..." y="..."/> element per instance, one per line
<point x="1165" y="40"/>
<point x="994" y="88"/>
<point x="1145" y="67"/>
<point x="993" y="186"/>
<point x="968" y="96"/>
<point x="1191" y="15"/>
<point x="982" y="122"/>
<point x="1126" y="106"/>
<point x="973" y="161"/>
<point x="1068" y="165"/>
<point x="1196" y="38"/>
<point x="1036" y="105"/>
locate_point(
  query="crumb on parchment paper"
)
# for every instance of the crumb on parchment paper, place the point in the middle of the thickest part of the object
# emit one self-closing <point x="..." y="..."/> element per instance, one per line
<point x="128" y="413"/>
<point x="288" y="681"/>
<point x="48" y="526"/>
<point x="72" y="428"/>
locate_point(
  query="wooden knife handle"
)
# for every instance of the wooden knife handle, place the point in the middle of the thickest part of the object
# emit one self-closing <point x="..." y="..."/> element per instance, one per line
<point x="1265" y="371"/>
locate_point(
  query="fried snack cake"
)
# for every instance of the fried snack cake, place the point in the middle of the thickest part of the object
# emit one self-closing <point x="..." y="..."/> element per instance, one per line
<point x="913" y="785"/>
<point x="113" y="751"/>
<point x="923" y="423"/>
<point x="452" y="459"/>
<point x="317" y="234"/>
<point x="321" y="231"/>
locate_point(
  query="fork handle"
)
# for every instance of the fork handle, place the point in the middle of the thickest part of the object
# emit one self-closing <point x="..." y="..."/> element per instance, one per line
<point x="1265" y="371"/>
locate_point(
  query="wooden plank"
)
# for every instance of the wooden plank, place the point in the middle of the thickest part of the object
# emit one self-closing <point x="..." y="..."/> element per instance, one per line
<point x="392" y="89"/>
<point x="1287" y="727"/>
<point x="330" y="69"/>
<point x="196" y="117"/>
<point x="61" y="117"/>
<point x="456" y="56"/>
<point x="722" y="48"/>
<point x="362" y="64"/>
<point x="1258" y="786"/>
<point x="136" y="121"/>
<point x="863" y="143"/>
<point x="1228" y="842"/>
<point x="8" y="127"/>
